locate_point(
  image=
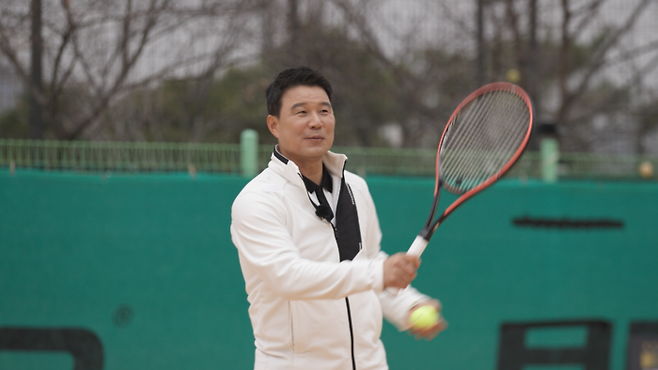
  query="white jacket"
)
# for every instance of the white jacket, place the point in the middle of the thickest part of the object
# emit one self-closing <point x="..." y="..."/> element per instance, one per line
<point x="307" y="309"/>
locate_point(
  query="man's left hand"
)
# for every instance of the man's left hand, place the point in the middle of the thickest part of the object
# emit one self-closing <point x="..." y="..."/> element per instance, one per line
<point x="433" y="331"/>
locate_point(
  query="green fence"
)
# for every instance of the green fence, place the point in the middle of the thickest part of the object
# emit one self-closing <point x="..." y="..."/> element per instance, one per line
<point x="145" y="263"/>
<point x="226" y="158"/>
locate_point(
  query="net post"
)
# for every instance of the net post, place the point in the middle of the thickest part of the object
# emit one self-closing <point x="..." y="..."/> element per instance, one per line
<point x="249" y="153"/>
<point x="550" y="156"/>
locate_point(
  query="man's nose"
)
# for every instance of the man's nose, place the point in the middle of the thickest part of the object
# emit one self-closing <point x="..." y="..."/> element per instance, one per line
<point x="315" y="121"/>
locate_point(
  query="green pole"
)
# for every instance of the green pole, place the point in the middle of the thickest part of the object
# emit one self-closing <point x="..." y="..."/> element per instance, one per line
<point x="550" y="156"/>
<point x="249" y="153"/>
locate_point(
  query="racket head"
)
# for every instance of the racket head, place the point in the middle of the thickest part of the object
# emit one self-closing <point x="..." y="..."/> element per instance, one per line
<point x="483" y="138"/>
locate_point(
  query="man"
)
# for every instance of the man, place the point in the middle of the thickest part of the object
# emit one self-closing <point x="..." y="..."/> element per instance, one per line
<point x="308" y="239"/>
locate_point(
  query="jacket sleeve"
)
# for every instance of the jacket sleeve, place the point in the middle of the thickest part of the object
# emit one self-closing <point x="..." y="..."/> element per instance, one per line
<point x="395" y="307"/>
<point x="266" y="248"/>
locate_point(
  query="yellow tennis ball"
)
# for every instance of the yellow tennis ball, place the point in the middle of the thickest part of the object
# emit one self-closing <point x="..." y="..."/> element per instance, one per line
<point x="646" y="169"/>
<point x="424" y="317"/>
<point x="513" y="75"/>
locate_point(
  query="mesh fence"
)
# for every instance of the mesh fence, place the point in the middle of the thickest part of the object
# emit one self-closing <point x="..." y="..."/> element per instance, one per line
<point x="225" y="158"/>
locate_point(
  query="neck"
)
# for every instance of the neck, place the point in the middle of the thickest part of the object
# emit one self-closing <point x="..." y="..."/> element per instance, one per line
<point x="311" y="168"/>
<point x="312" y="171"/>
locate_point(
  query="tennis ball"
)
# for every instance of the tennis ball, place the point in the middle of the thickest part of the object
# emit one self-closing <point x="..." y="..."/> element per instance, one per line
<point x="513" y="75"/>
<point x="424" y="317"/>
<point x="646" y="169"/>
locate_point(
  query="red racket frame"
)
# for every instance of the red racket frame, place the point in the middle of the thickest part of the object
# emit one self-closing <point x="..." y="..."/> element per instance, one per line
<point x="496" y="86"/>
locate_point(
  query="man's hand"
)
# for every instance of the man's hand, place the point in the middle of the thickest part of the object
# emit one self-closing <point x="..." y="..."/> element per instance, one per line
<point x="400" y="270"/>
<point x="429" y="333"/>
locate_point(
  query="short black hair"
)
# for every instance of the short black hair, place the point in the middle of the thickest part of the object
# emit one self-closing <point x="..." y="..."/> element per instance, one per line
<point x="293" y="77"/>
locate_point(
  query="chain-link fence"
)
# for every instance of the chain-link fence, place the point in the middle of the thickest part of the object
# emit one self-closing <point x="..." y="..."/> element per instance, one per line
<point x="131" y="157"/>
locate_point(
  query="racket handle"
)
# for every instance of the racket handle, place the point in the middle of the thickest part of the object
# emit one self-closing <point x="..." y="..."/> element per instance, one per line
<point x="418" y="246"/>
<point x="416" y="249"/>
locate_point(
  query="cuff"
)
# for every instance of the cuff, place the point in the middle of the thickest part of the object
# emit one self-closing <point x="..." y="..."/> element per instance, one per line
<point x="376" y="271"/>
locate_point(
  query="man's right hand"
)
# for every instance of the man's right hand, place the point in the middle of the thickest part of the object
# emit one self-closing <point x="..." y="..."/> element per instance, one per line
<point x="400" y="270"/>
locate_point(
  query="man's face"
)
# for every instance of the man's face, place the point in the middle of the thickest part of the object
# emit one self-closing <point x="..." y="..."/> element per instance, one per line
<point x="305" y="126"/>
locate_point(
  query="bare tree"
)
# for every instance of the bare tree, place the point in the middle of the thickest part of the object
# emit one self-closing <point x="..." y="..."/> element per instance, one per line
<point x="164" y="69"/>
<point x="431" y="70"/>
<point x="582" y="56"/>
<point x="574" y="83"/>
<point x="94" y="52"/>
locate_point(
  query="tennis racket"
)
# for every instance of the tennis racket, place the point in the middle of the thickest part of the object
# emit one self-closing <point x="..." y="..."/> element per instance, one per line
<point x="483" y="138"/>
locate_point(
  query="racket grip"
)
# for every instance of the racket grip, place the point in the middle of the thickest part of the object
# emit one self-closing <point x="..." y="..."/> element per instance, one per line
<point x="417" y="248"/>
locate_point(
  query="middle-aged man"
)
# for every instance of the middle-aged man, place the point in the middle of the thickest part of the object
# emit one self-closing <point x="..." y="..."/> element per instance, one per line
<point x="308" y="239"/>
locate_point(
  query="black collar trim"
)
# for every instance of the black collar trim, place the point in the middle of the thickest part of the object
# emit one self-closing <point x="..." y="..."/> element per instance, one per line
<point x="280" y="156"/>
<point x="326" y="182"/>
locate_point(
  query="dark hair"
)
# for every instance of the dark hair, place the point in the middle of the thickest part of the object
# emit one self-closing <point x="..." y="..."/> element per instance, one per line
<point x="293" y="77"/>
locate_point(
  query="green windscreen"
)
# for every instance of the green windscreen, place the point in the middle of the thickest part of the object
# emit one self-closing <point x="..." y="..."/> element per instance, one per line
<point x="145" y="264"/>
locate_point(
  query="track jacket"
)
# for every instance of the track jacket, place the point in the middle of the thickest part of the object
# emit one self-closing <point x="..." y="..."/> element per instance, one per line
<point x="309" y="309"/>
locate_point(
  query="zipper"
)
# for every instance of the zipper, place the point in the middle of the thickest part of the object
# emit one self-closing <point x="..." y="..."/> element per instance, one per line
<point x="347" y="301"/>
<point x="335" y="231"/>
<point x="349" y="318"/>
<point x="349" y="311"/>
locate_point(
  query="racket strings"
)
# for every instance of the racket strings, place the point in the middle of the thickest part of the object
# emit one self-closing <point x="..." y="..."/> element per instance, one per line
<point x="465" y="177"/>
<point x="514" y="131"/>
<point x="489" y="153"/>
<point x="482" y="138"/>
<point x="477" y="114"/>
<point x="487" y="147"/>
<point x="454" y="158"/>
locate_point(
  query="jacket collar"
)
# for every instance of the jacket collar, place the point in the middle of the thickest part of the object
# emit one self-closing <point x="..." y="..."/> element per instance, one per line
<point x="326" y="182"/>
<point x="333" y="162"/>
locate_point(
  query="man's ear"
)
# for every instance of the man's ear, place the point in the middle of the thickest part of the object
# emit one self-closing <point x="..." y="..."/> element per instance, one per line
<point x="273" y="125"/>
